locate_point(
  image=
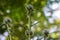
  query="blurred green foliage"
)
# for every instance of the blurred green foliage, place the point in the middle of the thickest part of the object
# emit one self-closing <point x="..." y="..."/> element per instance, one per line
<point x="18" y="14"/>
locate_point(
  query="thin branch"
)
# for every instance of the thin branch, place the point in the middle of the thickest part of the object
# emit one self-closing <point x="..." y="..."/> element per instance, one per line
<point x="10" y="38"/>
<point x="35" y="23"/>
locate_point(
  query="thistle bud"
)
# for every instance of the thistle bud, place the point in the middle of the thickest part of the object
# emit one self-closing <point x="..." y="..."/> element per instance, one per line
<point x="29" y="33"/>
<point x="29" y="7"/>
<point x="46" y="33"/>
<point x="7" y="20"/>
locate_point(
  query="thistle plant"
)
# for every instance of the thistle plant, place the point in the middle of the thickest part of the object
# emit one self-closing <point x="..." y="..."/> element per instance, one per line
<point x="29" y="11"/>
<point x="7" y="21"/>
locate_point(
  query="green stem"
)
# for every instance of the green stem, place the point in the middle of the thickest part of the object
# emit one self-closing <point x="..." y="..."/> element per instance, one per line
<point x="29" y="24"/>
<point x="46" y="38"/>
<point x="8" y="29"/>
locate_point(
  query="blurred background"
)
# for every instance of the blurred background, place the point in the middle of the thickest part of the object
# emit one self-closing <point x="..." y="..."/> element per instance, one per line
<point x="29" y="19"/>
